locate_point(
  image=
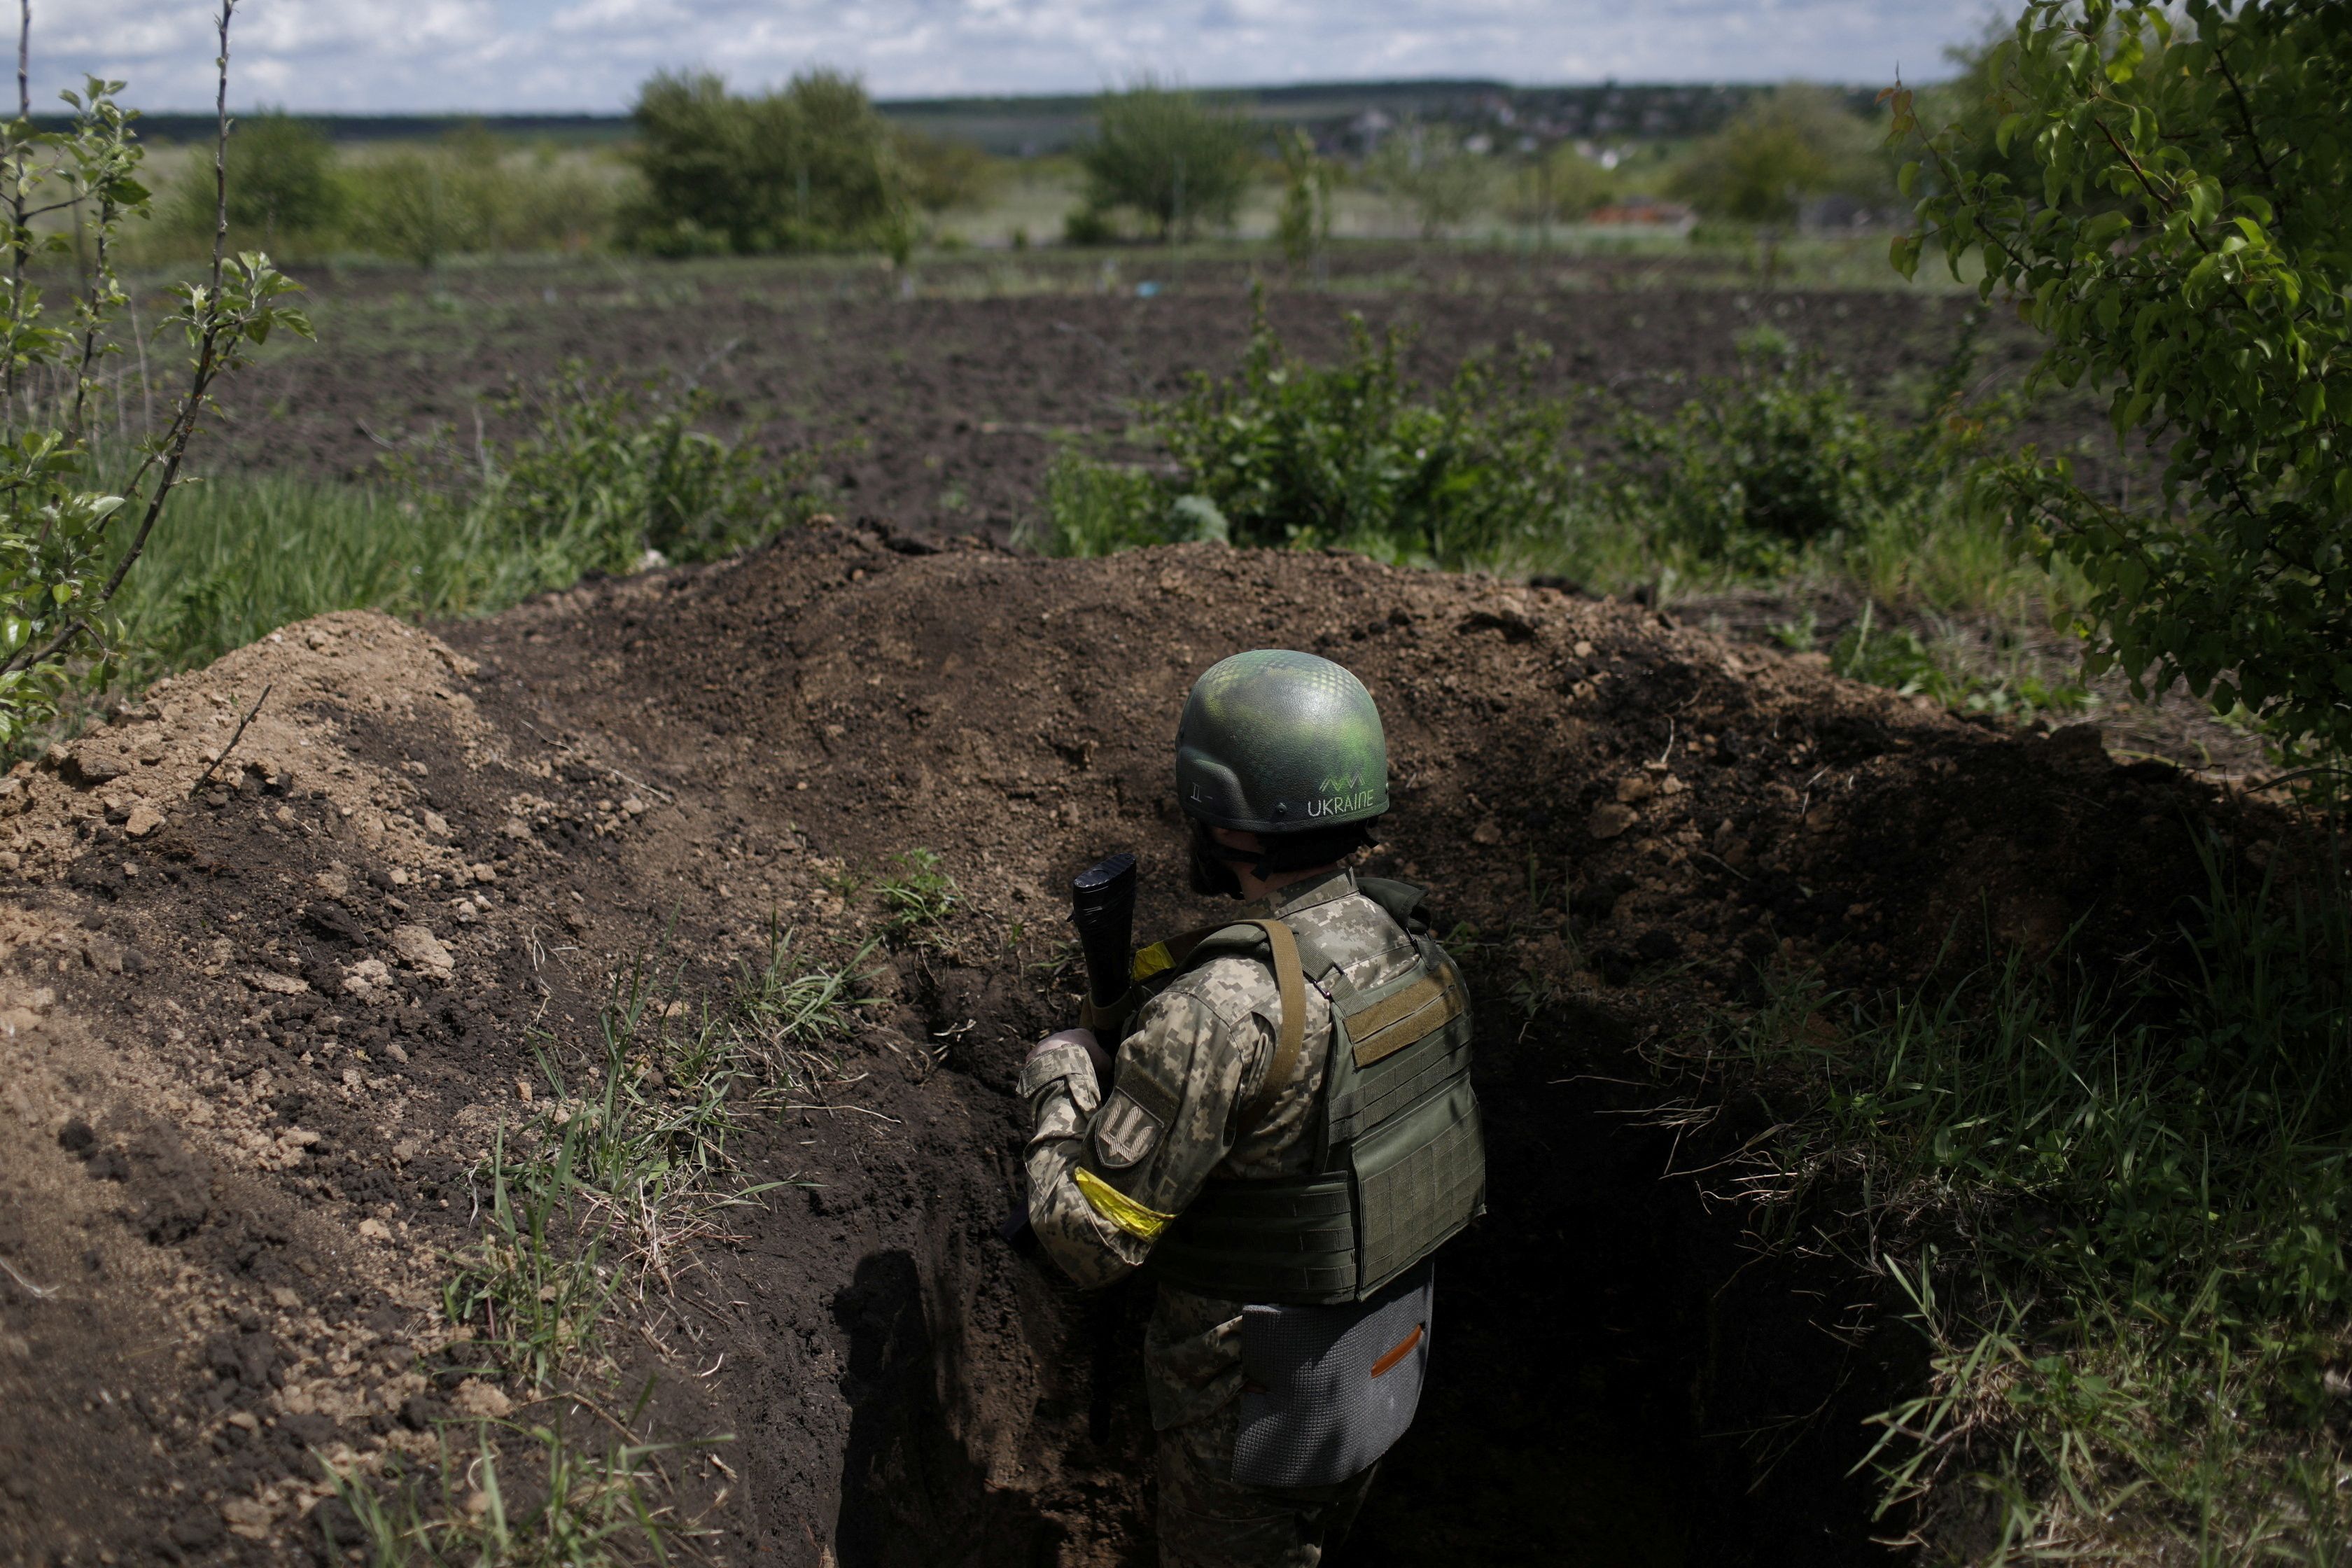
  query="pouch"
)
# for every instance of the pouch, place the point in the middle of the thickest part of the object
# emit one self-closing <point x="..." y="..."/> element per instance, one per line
<point x="1327" y="1390"/>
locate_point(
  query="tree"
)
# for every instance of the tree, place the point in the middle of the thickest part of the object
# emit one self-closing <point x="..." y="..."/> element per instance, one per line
<point x="1303" y="226"/>
<point x="1427" y="170"/>
<point x="1559" y="184"/>
<point x="1785" y="145"/>
<point x="281" y="180"/>
<point x="942" y="175"/>
<point x="813" y="167"/>
<point x="1168" y="156"/>
<point x="423" y="205"/>
<point x="69" y="539"/>
<point x="2187" y="248"/>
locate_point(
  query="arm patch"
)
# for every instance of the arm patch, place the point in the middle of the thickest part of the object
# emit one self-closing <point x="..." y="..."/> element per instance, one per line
<point x="1126" y="1132"/>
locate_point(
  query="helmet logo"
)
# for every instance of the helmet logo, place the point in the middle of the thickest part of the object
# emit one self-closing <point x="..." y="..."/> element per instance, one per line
<point x="1342" y="795"/>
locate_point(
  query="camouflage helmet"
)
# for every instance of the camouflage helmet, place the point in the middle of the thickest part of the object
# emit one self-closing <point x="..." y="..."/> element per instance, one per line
<point x="1276" y="741"/>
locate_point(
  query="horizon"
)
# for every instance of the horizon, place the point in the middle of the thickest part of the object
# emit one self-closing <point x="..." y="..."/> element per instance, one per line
<point x="439" y="59"/>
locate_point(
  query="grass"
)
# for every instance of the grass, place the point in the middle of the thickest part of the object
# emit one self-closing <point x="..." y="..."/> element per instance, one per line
<point x="610" y="476"/>
<point x="602" y="1198"/>
<point x="2117" y="1210"/>
<point x="916" y="894"/>
<point x="581" y="1508"/>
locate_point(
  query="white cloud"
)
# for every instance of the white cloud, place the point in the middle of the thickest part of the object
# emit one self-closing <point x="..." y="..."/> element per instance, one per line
<point x="389" y="56"/>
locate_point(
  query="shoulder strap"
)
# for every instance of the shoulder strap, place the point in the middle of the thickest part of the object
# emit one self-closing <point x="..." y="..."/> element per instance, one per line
<point x="1291" y="981"/>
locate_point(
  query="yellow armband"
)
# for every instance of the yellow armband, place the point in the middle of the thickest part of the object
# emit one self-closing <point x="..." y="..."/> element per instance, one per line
<point x="1141" y="1223"/>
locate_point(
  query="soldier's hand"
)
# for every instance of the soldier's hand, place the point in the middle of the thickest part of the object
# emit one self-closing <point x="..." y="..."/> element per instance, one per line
<point x="1082" y="1037"/>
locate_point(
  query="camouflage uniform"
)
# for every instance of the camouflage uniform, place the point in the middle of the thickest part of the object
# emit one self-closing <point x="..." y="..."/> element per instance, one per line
<point x="1207" y="1040"/>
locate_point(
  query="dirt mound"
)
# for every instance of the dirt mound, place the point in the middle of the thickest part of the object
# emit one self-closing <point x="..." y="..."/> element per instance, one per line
<point x="261" y="1034"/>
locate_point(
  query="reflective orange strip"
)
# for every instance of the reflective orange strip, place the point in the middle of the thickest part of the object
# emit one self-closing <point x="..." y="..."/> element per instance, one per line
<point x="1387" y="1363"/>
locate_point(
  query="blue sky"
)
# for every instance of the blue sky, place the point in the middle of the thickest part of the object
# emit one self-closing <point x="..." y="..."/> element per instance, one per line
<point x="488" y="56"/>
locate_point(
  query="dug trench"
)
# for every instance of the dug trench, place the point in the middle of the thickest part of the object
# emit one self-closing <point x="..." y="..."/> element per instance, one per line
<point x="267" y="1014"/>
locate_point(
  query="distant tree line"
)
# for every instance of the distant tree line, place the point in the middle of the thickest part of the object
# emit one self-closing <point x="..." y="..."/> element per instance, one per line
<point x="813" y="166"/>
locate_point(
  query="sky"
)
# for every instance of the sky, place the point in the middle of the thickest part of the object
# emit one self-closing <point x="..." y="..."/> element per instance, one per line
<point x="565" y="56"/>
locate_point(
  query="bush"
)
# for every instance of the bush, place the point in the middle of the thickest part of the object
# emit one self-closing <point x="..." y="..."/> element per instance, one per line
<point x="605" y="471"/>
<point x="1171" y="159"/>
<point x="609" y="470"/>
<point x="1757" y="463"/>
<point x="1782" y="147"/>
<point x="1303" y="227"/>
<point x="811" y="168"/>
<point x="282" y="181"/>
<point x="942" y="175"/>
<point x="1100" y="509"/>
<point x="425" y="205"/>
<point x="1426" y="170"/>
<point x="1292" y="454"/>
<point x="1561" y="185"/>
<point x="2186" y="251"/>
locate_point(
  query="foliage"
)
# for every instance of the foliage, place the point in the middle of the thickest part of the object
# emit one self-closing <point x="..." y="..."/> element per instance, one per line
<point x="2118" y="1210"/>
<point x="577" y="1508"/>
<point x="917" y="895"/>
<point x="1426" y="170"/>
<point x="425" y="205"/>
<point x="1783" y="146"/>
<point x="942" y="175"/>
<point x="67" y="545"/>
<point x="1896" y="657"/>
<point x="2187" y="248"/>
<point x="1303" y="226"/>
<point x="282" y="181"/>
<point x="812" y="167"/>
<point x="1777" y="469"/>
<point x="1100" y="509"/>
<point x="608" y="471"/>
<point x="466" y="194"/>
<point x="1559" y="184"/>
<point x="604" y="471"/>
<point x="1764" y="460"/>
<point x="1177" y="161"/>
<point x="1295" y="454"/>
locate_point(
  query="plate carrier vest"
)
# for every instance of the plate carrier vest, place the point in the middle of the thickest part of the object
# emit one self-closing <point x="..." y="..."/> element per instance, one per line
<point x="1399" y="1165"/>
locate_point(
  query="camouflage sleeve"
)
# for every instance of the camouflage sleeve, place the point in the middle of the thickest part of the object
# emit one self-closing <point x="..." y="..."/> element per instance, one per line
<point x="1059" y="1084"/>
<point x="1105" y="1179"/>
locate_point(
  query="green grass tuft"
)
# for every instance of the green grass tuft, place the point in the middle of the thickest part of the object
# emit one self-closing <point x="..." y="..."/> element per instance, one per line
<point x="2119" y="1213"/>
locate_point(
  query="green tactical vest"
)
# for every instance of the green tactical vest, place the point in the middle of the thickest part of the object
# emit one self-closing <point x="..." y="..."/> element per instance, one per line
<point x="1399" y="1163"/>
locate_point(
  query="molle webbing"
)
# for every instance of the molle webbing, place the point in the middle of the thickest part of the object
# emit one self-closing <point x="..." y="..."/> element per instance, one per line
<point x="1400" y="1166"/>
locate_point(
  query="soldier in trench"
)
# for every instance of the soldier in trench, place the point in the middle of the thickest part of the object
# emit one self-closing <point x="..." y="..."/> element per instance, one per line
<point x="1289" y="1134"/>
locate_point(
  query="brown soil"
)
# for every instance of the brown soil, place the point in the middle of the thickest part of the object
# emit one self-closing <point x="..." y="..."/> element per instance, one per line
<point x="258" y="1033"/>
<point x="943" y="409"/>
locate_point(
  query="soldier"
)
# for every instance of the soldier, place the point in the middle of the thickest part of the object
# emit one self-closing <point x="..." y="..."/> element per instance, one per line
<point x="1287" y="1138"/>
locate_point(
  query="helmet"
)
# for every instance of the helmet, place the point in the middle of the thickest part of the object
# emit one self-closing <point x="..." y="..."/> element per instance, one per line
<point x="1274" y="741"/>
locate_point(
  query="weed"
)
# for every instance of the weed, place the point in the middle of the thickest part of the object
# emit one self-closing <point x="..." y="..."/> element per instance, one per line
<point x="1798" y="635"/>
<point x="919" y="895"/>
<point x="606" y="473"/>
<point x="537" y="1293"/>
<point x="790" y="1005"/>
<point x="2118" y="1213"/>
<point x="1900" y="660"/>
<point x="578" y="1509"/>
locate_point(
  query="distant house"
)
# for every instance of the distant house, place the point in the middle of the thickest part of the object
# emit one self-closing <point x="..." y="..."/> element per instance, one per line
<point x="1672" y="217"/>
<point x="1369" y="128"/>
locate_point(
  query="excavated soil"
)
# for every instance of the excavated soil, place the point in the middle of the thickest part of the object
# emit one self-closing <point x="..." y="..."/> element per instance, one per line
<point x="260" y="1028"/>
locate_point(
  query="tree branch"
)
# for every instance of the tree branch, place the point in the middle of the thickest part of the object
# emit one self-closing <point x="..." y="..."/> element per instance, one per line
<point x="2253" y="137"/>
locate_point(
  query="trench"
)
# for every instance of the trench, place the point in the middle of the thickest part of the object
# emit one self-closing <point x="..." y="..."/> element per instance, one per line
<point x="1617" y="1378"/>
